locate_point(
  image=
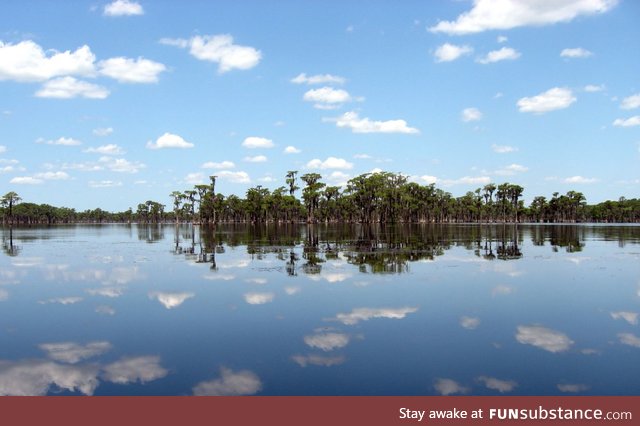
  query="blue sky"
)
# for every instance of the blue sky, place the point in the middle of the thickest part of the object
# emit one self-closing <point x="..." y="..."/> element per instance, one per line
<point x="111" y="104"/>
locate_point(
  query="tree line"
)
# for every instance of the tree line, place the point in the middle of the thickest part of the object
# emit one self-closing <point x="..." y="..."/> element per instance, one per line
<point x="382" y="197"/>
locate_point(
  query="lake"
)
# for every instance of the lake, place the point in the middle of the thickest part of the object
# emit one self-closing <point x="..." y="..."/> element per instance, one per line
<point x="320" y="310"/>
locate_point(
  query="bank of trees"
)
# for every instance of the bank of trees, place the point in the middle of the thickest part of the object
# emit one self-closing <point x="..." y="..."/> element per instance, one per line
<point x="369" y="198"/>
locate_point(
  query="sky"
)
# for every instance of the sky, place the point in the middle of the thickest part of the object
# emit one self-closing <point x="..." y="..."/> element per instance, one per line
<point x="109" y="104"/>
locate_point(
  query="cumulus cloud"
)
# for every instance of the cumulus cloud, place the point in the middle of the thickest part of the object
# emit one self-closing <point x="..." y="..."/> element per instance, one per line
<point x="329" y="163"/>
<point x="466" y="180"/>
<point x="38" y="377"/>
<point x="103" y="131"/>
<point x="121" y="165"/>
<point x="319" y="360"/>
<point x="450" y="52"/>
<point x="352" y="121"/>
<point x="128" y="70"/>
<point x="258" y="298"/>
<point x="72" y="353"/>
<point x="318" y="79"/>
<point x="503" y="149"/>
<point x="234" y="177"/>
<point x="109" y="149"/>
<point x="572" y="387"/>
<point x="327" y="341"/>
<point x="255" y="159"/>
<point x="195" y="178"/>
<point x="141" y="369"/>
<point x="60" y="141"/>
<point x="470" y="323"/>
<point x="230" y="383"/>
<point x="487" y="15"/>
<point x="631" y="102"/>
<point x="504" y="54"/>
<point x="471" y="114"/>
<point x="629" y="339"/>
<point x="501" y="386"/>
<point x="580" y="179"/>
<point x="543" y="338"/>
<point x="327" y="97"/>
<point x="219" y="49"/>
<point x="630" y="317"/>
<point x="629" y="122"/>
<point x="104" y="183"/>
<point x="511" y="170"/>
<point x="169" y="140"/>
<point x="577" y="52"/>
<point x="253" y="142"/>
<point x="365" y="314"/>
<point x="70" y="87"/>
<point x="123" y="8"/>
<point x="170" y="300"/>
<point x="449" y="387"/>
<point x="551" y="100"/>
<point x="591" y="88"/>
<point x="222" y="165"/>
<point x="291" y="150"/>
<point x="27" y="62"/>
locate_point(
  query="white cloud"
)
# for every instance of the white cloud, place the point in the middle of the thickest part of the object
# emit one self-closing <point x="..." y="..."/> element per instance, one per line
<point x="338" y="178"/>
<point x="3" y="149"/>
<point x="195" y="178"/>
<point x="319" y="360"/>
<point x="72" y="353"/>
<point x="141" y="369"/>
<point x="428" y="179"/>
<point x="501" y="386"/>
<point x="572" y="387"/>
<point x="253" y="142"/>
<point x="580" y="179"/>
<point x="121" y="165"/>
<point x="103" y="131"/>
<point x="170" y="300"/>
<point x="591" y="88"/>
<point x="503" y="149"/>
<point x="37" y="377"/>
<point x="470" y="323"/>
<point x="27" y="61"/>
<point x="230" y="383"/>
<point x="104" y="184"/>
<point x="471" y="114"/>
<point x="318" y="79"/>
<point x="258" y="298"/>
<point x="60" y="141"/>
<point x="511" y="170"/>
<point x="504" y="54"/>
<point x="543" y="338"/>
<point x="169" y="140"/>
<point x="551" y="100"/>
<point x="25" y="180"/>
<point x="327" y="341"/>
<point x="255" y="159"/>
<point x="291" y="150"/>
<point x="327" y="97"/>
<point x="51" y="176"/>
<point x="362" y="157"/>
<point x="489" y="15"/>
<point x="330" y="163"/>
<point x="219" y="49"/>
<point x="629" y="339"/>
<point x="466" y="180"/>
<point x="123" y="8"/>
<point x="629" y="122"/>
<point x="502" y="39"/>
<point x="577" y="52"/>
<point x="234" y="177"/>
<point x="127" y="70"/>
<point x="630" y="317"/>
<point x="223" y="165"/>
<point x="449" y="387"/>
<point x="109" y="149"/>
<point x="631" y="102"/>
<point x="450" y="52"/>
<point x="365" y="314"/>
<point x="352" y="121"/>
<point x="69" y="87"/>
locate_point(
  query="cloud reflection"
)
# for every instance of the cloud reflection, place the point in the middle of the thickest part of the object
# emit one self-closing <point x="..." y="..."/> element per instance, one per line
<point x="134" y="369"/>
<point x="105" y="310"/>
<point x="629" y="339"/>
<point x="543" y="338"/>
<point x="449" y="387"/>
<point x="292" y="290"/>
<point x="572" y="387"/>
<point x="319" y="360"/>
<point x="327" y="341"/>
<point x="258" y="298"/>
<point x="501" y="386"/>
<point x="630" y="317"/>
<point x="4" y="295"/>
<point x="39" y="377"/>
<point x="106" y="291"/>
<point x="62" y="300"/>
<point x="470" y="323"/>
<point x="365" y="314"/>
<point x="230" y="383"/>
<point x="72" y="353"/>
<point x="170" y="300"/>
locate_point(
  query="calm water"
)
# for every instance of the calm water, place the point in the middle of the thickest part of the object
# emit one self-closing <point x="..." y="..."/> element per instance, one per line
<point x="423" y="310"/>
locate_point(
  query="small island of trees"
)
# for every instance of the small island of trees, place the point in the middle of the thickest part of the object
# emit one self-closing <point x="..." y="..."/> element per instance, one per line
<point x="382" y="197"/>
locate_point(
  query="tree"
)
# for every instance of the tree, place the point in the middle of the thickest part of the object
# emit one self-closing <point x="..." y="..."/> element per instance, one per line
<point x="311" y="194"/>
<point x="291" y="181"/>
<point x="8" y="201"/>
<point x="177" y="199"/>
